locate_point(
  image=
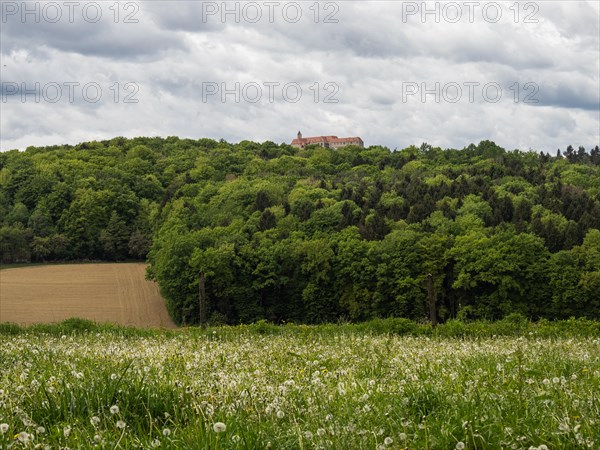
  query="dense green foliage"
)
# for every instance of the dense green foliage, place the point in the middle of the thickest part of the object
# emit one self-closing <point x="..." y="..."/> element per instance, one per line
<point x="318" y="235"/>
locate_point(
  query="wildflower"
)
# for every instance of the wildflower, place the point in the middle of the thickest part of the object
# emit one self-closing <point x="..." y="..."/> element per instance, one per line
<point x="388" y="441"/>
<point x="543" y="447"/>
<point x="97" y="438"/>
<point x="219" y="427"/>
<point x="280" y="414"/>
<point x="114" y="409"/>
<point x="321" y="431"/>
<point x="155" y="443"/>
<point x="460" y="445"/>
<point x="3" y="428"/>
<point x="166" y="432"/>
<point x="556" y="380"/>
<point x="40" y="430"/>
<point x="67" y="431"/>
<point x="23" y="436"/>
<point x="121" y="424"/>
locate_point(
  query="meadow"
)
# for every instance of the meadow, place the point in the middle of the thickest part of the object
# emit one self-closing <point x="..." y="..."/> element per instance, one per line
<point x="79" y="385"/>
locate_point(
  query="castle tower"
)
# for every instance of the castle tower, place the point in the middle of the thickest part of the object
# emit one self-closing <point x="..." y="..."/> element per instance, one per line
<point x="299" y="135"/>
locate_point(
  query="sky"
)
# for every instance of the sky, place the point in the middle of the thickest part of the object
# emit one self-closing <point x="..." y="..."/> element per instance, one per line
<point x="522" y="74"/>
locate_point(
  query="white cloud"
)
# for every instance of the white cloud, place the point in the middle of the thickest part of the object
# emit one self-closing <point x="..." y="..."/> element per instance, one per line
<point x="372" y="55"/>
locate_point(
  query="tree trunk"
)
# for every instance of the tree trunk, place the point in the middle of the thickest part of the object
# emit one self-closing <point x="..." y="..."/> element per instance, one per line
<point x="202" y="295"/>
<point x="431" y="298"/>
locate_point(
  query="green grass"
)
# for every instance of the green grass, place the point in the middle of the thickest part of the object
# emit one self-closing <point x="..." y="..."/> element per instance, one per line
<point x="384" y="384"/>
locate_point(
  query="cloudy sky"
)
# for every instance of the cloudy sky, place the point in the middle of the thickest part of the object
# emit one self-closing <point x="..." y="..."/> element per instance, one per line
<point x="524" y="75"/>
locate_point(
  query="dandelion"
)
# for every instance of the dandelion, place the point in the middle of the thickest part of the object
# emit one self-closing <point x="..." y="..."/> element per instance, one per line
<point x="219" y="427"/>
<point x="543" y="447"/>
<point x="40" y="430"/>
<point x="556" y="380"/>
<point x="280" y="414"/>
<point x="121" y="424"/>
<point x="321" y="431"/>
<point x="308" y="435"/>
<point x="388" y="441"/>
<point x="23" y="436"/>
<point x="3" y="428"/>
<point x="67" y="431"/>
<point x="166" y="432"/>
<point x="155" y="443"/>
<point x="460" y="445"/>
<point x="114" y="409"/>
<point x="402" y="436"/>
<point x="97" y="438"/>
<point x="94" y="420"/>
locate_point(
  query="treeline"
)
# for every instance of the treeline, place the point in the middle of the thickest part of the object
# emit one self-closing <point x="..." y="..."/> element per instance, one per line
<point x="318" y="235"/>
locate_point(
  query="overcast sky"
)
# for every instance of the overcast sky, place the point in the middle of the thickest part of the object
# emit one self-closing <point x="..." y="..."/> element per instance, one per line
<point x="524" y="75"/>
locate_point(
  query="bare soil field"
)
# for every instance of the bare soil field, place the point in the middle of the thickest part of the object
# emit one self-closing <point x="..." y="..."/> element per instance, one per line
<point x="116" y="293"/>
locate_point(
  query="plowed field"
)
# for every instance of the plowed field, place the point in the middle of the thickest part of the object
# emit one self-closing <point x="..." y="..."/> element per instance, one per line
<point x="116" y="293"/>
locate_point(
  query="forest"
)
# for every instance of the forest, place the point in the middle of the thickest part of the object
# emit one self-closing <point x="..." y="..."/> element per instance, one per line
<point x="318" y="235"/>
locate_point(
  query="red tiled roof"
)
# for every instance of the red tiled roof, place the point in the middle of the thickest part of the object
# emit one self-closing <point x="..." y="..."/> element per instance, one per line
<point x="327" y="139"/>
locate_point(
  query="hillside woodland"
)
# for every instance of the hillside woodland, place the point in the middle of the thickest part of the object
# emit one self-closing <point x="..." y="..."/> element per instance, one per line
<point x="318" y="235"/>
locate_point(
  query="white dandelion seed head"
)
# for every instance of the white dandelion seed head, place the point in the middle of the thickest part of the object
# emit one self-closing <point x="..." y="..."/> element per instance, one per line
<point x="155" y="443"/>
<point x="67" y="431"/>
<point x="402" y="436"/>
<point x="23" y="436"/>
<point x="460" y="445"/>
<point x="3" y="428"/>
<point x="321" y="431"/>
<point x="280" y="414"/>
<point x="219" y="427"/>
<point x="114" y="409"/>
<point x="40" y="430"/>
<point x="388" y="441"/>
<point x="94" y="420"/>
<point x="121" y="424"/>
<point x="308" y="435"/>
<point x="97" y="438"/>
<point x="166" y="432"/>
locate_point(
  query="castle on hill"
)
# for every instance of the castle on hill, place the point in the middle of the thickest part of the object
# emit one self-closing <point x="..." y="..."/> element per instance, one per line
<point x="326" y="141"/>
